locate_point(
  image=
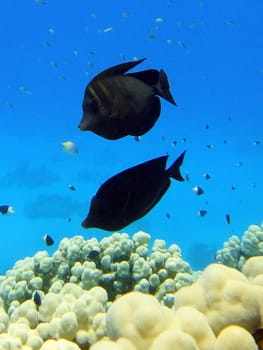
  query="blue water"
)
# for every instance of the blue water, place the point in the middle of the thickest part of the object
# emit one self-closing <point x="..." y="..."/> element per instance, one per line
<point x="212" y="53"/>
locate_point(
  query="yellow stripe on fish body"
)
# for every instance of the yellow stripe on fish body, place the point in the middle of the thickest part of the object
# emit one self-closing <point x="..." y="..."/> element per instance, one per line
<point x="100" y="93"/>
<point x="105" y="90"/>
<point x="114" y="100"/>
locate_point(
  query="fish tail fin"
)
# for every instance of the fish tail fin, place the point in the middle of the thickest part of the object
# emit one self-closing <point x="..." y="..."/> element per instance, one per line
<point x="174" y="170"/>
<point x="162" y="87"/>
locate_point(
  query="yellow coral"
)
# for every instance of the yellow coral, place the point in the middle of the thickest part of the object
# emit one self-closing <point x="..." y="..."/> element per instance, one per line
<point x="59" y="345"/>
<point x="253" y="267"/>
<point x="139" y="318"/>
<point x="235" y="337"/>
<point x="141" y="321"/>
<point x="225" y="296"/>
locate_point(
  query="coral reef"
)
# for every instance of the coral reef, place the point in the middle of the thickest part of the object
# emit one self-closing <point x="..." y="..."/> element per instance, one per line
<point x="71" y="280"/>
<point x="116" y="263"/>
<point x="236" y="251"/>
<point x="221" y="311"/>
<point x="120" y="294"/>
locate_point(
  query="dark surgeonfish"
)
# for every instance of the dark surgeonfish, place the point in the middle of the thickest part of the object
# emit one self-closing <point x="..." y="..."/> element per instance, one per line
<point x="131" y="194"/>
<point x="117" y="104"/>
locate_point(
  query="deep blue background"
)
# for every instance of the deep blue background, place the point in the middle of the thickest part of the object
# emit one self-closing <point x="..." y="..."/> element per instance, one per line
<point x="215" y="67"/>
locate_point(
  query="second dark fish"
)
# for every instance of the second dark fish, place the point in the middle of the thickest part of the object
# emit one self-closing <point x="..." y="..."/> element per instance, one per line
<point x="131" y="194"/>
<point x="117" y="104"/>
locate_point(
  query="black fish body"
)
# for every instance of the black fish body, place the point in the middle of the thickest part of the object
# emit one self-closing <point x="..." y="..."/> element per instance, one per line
<point x="131" y="194"/>
<point x="37" y="298"/>
<point x="117" y="104"/>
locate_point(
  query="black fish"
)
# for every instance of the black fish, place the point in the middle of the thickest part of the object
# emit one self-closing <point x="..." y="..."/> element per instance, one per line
<point x="93" y="254"/>
<point x="198" y="190"/>
<point x="37" y="298"/>
<point x="206" y="176"/>
<point x="48" y="240"/>
<point x="202" y="212"/>
<point x="6" y="209"/>
<point x="72" y="188"/>
<point x="228" y="218"/>
<point x="131" y="194"/>
<point x="117" y="104"/>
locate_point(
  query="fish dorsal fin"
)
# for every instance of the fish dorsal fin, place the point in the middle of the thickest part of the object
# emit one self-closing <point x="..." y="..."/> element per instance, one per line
<point x="142" y="170"/>
<point x="149" y="76"/>
<point x="154" y="166"/>
<point x="119" y="69"/>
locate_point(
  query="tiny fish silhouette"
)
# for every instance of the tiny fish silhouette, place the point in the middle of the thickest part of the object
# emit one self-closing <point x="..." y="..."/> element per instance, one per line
<point x="202" y="213"/>
<point x="48" y="240"/>
<point x="206" y="176"/>
<point x="6" y="209"/>
<point x="93" y="254"/>
<point x="72" y="187"/>
<point x="198" y="190"/>
<point x="37" y="298"/>
<point x="117" y="104"/>
<point x="131" y="194"/>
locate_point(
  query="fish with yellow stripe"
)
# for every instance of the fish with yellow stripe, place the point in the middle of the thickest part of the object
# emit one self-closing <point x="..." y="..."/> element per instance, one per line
<point x="117" y="103"/>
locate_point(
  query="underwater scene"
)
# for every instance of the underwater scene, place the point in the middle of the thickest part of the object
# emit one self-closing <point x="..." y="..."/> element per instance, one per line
<point x="131" y="175"/>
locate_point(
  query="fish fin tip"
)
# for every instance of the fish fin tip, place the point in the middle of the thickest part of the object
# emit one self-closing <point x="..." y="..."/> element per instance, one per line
<point x="174" y="170"/>
<point x="163" y="87"/>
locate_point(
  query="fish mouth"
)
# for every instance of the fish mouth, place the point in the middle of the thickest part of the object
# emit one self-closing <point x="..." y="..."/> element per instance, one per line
<point x="89" y="221"/>
<point x="85" y="123"/>
<point x="83" y="126"/>
<point x="85" y="224"/>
